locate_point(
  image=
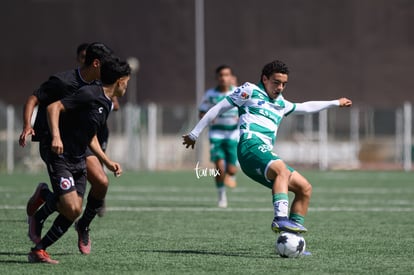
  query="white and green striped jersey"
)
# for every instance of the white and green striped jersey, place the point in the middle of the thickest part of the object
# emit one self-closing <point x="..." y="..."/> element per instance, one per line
<point x="225" y="125"/>
<point x="258" y="113"/>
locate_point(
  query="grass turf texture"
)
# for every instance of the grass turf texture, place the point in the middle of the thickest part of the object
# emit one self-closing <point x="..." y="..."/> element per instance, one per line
<point x="168" y="223"/>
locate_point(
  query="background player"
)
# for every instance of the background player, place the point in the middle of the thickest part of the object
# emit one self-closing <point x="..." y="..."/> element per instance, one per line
<point x="57" y="87"/>
<point x="262" y="108"/>
<point x="85" y="112"/>
<point x="103" y="133"/>
<point x="223" y="133"/>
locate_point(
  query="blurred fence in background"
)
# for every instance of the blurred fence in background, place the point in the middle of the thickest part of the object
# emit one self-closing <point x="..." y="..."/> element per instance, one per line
<point x="148" y="137"/>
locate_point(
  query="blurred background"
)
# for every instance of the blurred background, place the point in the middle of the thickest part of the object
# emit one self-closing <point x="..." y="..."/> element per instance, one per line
<point x="363" y="50"/>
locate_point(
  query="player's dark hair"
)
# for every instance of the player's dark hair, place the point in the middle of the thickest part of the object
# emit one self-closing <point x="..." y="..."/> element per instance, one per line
<point x="98" y="51"/>
<point x="113" y="69"/>
<point x="81" y="48"/>
<point x="276" y="66"/>
<point x="222" y="67"/>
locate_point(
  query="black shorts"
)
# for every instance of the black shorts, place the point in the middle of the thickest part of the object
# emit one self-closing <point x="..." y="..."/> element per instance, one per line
<point x="89" y="152"/>
<point x="66" y="174"/>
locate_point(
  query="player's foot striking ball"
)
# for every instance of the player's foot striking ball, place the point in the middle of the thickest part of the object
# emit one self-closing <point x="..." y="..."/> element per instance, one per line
<point x="286" y="225"/>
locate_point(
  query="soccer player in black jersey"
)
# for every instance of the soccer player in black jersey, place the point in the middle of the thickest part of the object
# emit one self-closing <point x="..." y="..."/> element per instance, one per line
<point x="57" y="87"/>
<point x="103" y="136"/>
<point x="73" y="123"/>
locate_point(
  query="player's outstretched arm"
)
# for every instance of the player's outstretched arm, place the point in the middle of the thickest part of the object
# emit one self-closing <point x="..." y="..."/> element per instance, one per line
<point x="53" y="114"/>
<point x="219" y="108"/>
<point x="100" y="154"/>
<point x="317" y="106"/>
<point x="28" y="109"/>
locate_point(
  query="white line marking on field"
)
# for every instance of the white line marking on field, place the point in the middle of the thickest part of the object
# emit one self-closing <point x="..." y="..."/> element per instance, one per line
<point x="264" y="199"/>
<point x="212" y="209"/>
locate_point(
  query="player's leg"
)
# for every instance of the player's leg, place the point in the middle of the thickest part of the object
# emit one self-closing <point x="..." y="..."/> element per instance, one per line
<point x="69" y="207"/>
<point x="231" y="163"/>
<point x="281" y="176"/>
<point x="42" y="191"/>
<point x="259" y="163"/>
<point x="95" y="201"/>
<point x="103" y="137"/>
<point x="219" y="179"/>
<point x="36" y="217"/>
<point x="217" y="155"/>
<point x="69" y="182"/>
<point x="302" y="189"/>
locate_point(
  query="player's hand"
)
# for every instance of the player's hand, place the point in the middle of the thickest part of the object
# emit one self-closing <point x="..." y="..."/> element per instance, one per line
<point x="345" y="102"/>
<point x="25" y="133"/>
<point x="114" y="167"/>
<point x="57" y="145"/>
<point x="187" y="141"/>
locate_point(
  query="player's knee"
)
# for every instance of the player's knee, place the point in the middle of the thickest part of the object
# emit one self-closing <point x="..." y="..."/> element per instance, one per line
<point x="99" y="180"/>
<point x="307" y="189"/>
<point x="72" y="212"/>
<point x="285" y="173"/>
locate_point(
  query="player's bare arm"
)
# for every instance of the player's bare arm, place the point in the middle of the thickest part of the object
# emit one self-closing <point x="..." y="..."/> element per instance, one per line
<point x="53" y="114"/>
<point x="100" y="154"/>
<point x="31" y="103"/>
<point x="221" y="107"/>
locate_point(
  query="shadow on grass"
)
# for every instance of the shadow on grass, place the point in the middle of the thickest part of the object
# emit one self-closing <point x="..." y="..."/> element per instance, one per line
<point x="210" y="253"/>
<point x="21" y="254"/>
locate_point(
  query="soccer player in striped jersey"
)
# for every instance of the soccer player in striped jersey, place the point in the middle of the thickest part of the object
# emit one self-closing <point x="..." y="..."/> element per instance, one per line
<point x="262" y="108"/>
<point x="223" y="133"/>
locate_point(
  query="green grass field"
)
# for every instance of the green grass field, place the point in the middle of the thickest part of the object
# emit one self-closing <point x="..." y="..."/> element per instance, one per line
<point x="168" y="223"/>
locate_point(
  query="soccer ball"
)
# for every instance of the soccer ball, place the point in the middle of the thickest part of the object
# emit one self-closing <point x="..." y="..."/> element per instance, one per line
<point x="290" y="245"/>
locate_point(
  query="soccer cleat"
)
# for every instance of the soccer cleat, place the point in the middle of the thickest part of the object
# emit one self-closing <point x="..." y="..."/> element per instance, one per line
<point x="84" y="243"/>
<point x="40" y="256"/>
<point x="306" y="253"/>
<point x="36" y="199"/>
<point x="286" y="225"/>
<point x="230" y="181"/>
<point x="35" y="229"/>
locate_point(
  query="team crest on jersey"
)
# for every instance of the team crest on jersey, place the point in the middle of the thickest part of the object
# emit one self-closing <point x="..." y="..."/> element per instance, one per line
<point x="66" y="183"/>
<point x="244" y="95"/>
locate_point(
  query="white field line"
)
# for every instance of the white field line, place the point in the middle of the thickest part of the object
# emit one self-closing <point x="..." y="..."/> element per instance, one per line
<point x="266" y="199"/>
<point x="213" y="209"/>
<point x="259" y="189"/>
<point x="252" y="190"/>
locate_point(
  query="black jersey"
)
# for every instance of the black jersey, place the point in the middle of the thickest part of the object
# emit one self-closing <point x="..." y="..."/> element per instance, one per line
<point x="55" y="88"/>
<point x="86" y="112"/>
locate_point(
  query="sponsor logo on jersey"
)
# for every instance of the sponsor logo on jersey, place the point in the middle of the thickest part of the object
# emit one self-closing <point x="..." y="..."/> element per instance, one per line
<point x="261" y="102"/>
<point x="100" y="110"/>
<point x="244" y="95"/>
<point x="66" y="183"/>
